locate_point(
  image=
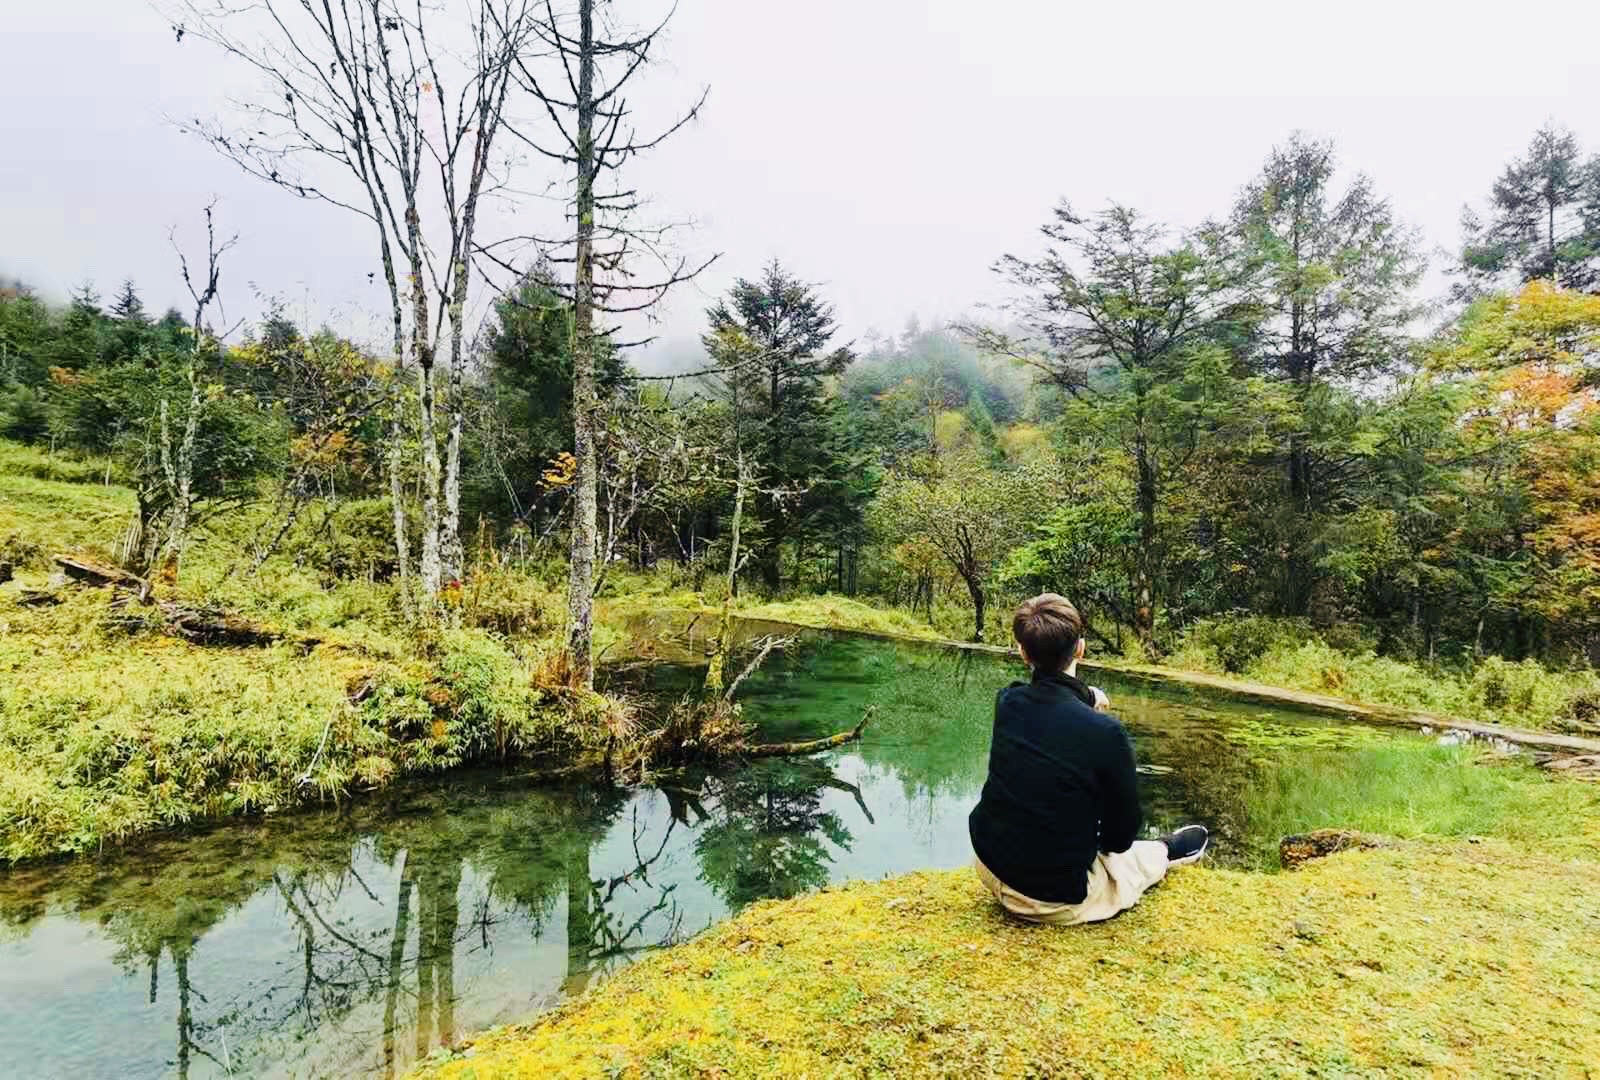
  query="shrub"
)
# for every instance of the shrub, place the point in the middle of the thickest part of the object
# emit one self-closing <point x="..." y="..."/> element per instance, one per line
<point x="510" y="603"/>
<point x="355" y="540"/>
<point x="23" y="416"/>
<point x="1233" y="643"/>
<point x="493" y="707"/>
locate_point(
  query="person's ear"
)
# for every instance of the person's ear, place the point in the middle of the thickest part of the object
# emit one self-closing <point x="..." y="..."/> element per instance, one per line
<point x="1024" y="654"/>
<point x="1077" y="653"/>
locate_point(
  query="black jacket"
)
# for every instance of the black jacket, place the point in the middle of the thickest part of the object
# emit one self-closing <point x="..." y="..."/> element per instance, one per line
<point x="1062" y="787"/>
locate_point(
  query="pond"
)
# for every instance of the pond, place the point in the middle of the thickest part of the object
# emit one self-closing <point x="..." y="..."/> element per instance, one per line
<point x="354" y="941"/>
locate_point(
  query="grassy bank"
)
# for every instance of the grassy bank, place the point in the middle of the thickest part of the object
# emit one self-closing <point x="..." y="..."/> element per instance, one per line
<point x="108" y="731"/>
<point x="643" y="595"/>
<point x="1418" y="790"/>
<point x="1341" y="662"/>
<point x="1451" y="959"/>
<point x="111" y="727"/>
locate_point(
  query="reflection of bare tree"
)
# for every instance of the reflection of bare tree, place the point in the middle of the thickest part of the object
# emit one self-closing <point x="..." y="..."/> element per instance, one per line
<point x="438" y="913"/>
<point x="185" y="1018"/>
<point x="187" y="1037"/>
<point x="598" y="938"/>
<point x="397" y="951"/>
<point x="343" y="967"/>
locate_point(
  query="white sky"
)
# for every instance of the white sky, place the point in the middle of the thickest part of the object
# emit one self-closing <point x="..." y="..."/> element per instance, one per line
<point x="889" y="150"/>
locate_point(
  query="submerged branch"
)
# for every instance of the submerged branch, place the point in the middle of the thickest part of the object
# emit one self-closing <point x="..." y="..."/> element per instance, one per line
<point x="812" y="746"/>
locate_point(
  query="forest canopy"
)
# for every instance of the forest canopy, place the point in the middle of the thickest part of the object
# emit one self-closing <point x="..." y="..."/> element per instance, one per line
<point x="1261" y="414"/>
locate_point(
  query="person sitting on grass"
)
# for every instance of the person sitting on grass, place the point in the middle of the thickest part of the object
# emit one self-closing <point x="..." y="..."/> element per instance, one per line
<point x="1054" y="828"/>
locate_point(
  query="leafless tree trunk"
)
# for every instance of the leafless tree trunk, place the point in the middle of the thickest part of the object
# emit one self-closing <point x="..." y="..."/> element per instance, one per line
<point x="177" y="457"/>
<point x="347" y="81"/>
<point x="497" y="49"/>
<point x="589" y="118"/>
<point x="719" y="658"/>
<point x="580" y="586"/>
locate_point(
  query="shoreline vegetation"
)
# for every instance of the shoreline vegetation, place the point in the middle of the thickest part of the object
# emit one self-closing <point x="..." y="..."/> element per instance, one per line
<point x="1490" y="704"/>
<point x="114" y="727"/>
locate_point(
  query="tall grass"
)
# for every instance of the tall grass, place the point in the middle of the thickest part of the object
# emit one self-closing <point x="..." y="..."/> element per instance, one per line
<point x="1414" y="789"/>
<point x="1288" y="653"/>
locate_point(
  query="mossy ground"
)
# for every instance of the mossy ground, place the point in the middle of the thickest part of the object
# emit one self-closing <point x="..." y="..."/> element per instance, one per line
<point x="824" y="612"/>
<point x="1422" y="959"/>
<point x="110" y="727"/>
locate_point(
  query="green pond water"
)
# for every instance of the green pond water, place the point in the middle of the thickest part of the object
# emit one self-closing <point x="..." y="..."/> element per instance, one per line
<point x="353" y="941"/>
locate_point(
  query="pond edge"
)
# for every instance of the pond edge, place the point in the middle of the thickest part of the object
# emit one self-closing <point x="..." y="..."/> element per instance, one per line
<point x="1386" y="715"/>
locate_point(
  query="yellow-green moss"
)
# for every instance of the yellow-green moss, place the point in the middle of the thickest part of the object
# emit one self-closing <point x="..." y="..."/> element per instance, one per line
<point x="824" y="612"/>
<point x="1460" y="959"/>
<point x="107" y="732"/>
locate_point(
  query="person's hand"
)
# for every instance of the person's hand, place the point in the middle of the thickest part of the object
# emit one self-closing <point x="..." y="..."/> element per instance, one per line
<point x="1101" y="700"/>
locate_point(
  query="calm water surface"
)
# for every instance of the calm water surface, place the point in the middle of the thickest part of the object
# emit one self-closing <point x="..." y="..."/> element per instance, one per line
<point x="355" y="941"/>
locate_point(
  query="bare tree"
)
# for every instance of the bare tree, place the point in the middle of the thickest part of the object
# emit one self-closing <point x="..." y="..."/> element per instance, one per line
<point x="470" y="129"/>
<point x="177" y="462"/>
<point x="594" y="137"/>
<point x="167" y="492"/>
<point x="344" y="119"/>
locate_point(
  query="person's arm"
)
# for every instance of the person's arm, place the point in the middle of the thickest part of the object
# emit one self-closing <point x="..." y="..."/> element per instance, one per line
<point x="1120" y="816"/>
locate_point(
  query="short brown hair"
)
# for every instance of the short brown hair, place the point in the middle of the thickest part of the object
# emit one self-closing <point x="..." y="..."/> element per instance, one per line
<point x="1048" y="628"/>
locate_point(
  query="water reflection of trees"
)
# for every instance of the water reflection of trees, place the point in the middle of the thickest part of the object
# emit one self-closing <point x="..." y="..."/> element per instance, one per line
<point x="379" y="907"/>
<point x="330" y="878"/>
<point x="762" y="830"/>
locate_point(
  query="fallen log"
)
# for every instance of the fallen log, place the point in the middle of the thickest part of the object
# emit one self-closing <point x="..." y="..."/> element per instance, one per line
<point x="98" y="574"/>
<point x="812" y="746"/>
<point x="201" y="626"/>
<point x="216" y="628"/>
<point x="1577" y="766"/>
<point x="1295" y="851"/>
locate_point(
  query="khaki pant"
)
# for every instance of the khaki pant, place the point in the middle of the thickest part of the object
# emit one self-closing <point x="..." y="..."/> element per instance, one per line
<point x="1115" y="884"/>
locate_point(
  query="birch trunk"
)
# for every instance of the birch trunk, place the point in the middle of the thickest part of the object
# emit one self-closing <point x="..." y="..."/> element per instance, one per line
<point x="397" y="430"/>
<point x="719" y="658"/>
<point x="452" y="555"/>
<point x="580" y="585"/>
<point x="427" y="433"/>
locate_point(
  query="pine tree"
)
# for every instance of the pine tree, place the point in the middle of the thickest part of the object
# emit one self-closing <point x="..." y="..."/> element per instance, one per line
<point x="128" y="307"/>
<point x="781" y="412"/>
<point x="1544" y="220"/>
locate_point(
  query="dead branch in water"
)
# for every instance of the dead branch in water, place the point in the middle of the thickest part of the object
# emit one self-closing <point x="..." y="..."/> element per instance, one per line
<point x="767" y="645"/>
<point x="812" y="746"/>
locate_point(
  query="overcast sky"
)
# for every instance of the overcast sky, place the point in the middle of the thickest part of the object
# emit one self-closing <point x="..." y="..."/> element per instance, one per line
<point x="888" y="150"/>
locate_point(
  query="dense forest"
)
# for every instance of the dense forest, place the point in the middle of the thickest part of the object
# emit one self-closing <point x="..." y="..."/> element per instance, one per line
<point x="1264" y="414"/>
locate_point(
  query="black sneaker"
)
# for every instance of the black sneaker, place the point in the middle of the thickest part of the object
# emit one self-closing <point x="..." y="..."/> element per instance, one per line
<point x="1186" y="845"/>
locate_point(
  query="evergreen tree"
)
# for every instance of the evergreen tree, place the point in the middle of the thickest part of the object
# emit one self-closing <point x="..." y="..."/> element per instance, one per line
<point x="1336" y="278"/>
<point x="780" y="407"/>
<point x="1134" y="325"/>
<point x="1544" y="219"/>
<point x="81" y="342"/>
<point x="127" y="307"/>
<point x="130" y="332"/>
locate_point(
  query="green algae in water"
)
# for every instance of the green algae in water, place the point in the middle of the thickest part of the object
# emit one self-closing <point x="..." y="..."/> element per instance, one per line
<point x="358" y="940"/>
